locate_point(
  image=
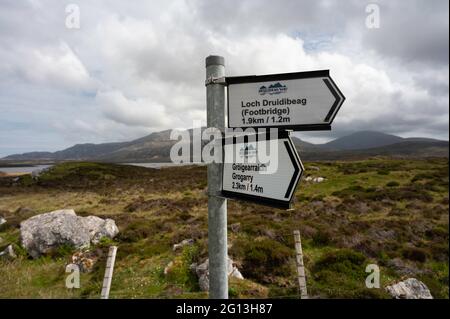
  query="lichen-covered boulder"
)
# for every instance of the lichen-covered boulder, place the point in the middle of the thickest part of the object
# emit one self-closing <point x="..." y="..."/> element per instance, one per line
<point x="44" y="232"/>
<point x="99" y="228"/>
<point x="410" y="288"/>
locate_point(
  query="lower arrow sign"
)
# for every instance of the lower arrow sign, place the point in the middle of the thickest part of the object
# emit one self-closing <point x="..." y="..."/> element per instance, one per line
<point x="265" y="171"/>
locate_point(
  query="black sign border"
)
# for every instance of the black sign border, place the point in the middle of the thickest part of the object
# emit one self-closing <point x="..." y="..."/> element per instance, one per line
<point x="230" y="80"/>
<point x="281" y="204"/>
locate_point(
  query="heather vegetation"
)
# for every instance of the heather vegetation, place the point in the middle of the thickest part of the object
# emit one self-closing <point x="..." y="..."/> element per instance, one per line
<point x="393" y="213"/>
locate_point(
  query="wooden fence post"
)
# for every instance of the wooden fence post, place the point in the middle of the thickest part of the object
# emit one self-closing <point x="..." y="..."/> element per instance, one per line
<point x="109" y="272"/>
<point x="300" y="267"/>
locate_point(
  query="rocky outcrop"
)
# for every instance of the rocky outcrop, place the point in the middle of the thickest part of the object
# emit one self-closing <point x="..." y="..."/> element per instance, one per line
<point x="410" y="288"/>
<point x="99" y="228"/>
<point x="42" y="233"/>
<point x="202" y="272"/>
<point x="8" y="253"/>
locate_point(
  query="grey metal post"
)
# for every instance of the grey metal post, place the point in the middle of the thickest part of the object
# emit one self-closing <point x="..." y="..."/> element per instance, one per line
<point x="217" y="206"/>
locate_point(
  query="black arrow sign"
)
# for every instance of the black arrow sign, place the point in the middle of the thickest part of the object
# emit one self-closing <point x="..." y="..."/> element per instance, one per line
<point x="301" y="101"/>
<point x="275" y="189"/>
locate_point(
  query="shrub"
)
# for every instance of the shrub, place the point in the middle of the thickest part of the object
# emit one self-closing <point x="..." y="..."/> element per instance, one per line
<point x="415" y="254"/>
<point x="341" y="274"/>
<point x="438" y="232"/>
<point x="383" y="172"/>
<point x="262" y="258"/>
<point x="61" y="251"/>
<point x="439" y="252"/>
<point x="180" y="272"/>
<point x="344" y="262"/>
<point x="392" y="184"/>
<point x="138" y="230"/>
<point x="321" y="238"/>
<point x="243" y="288"/>
<point x="407" y="193"/>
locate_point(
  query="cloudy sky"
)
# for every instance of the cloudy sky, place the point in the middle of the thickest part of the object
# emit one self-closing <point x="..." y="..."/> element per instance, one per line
<point x="134" y="67"/>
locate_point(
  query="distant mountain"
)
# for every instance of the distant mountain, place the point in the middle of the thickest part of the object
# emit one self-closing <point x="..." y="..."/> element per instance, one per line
<point x="305" y="146"/>
<point x="31" y="156"/>
<point x="156" y="148"/>
<point x="404" y="149"/>
<point x="81" y="151"/>
<point x="363" y="140"/>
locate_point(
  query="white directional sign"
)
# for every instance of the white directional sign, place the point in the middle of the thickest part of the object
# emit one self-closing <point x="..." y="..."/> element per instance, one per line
<point x="299" y="101"/>
<point x="263" y="171"/>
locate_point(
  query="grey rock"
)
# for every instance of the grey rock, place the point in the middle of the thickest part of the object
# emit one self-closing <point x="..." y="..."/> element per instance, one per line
<point x="202" y="272"/>
<point x="313" y="179"/>
<point x="236" y="227"/>
<point x="41" y="233"/>
<point x="410" y="288"/>
<point x="99" y="228"/>
<point x="8" y="253"/>
<point x="203" y="282"/>
<point x="185" y="242"/>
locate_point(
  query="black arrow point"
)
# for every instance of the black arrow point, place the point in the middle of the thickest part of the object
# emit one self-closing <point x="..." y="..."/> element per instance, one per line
<point x="339" y="99"/>
<point x="296" y="168"/>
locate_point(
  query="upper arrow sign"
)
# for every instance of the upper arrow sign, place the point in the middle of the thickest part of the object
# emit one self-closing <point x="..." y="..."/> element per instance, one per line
<point x="260" y="170"/>
<point x="300" y="101"/>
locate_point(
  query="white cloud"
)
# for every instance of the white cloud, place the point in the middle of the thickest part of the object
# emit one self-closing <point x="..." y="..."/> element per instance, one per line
<point x="133" y="112"/>
<point x="53" y="66"/>
<point x="133" y="69"/>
